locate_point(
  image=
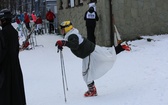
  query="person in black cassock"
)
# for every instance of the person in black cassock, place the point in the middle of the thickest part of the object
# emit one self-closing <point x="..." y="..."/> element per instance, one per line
<point x="11" y="78"/>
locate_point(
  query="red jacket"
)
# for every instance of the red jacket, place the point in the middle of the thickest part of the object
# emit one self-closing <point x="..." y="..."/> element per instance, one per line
<point x="50" y="16"/>
<point x="17" y="21"/>
<point x="26" y="18"/>
<point x="39" y="21"/>
<point x="34" y="17"/>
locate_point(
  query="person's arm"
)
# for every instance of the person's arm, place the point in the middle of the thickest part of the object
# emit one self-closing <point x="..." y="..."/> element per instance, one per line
<point x="85" y="15"/>
<point x="97" y="18"/>
<point x="73" y="42"/>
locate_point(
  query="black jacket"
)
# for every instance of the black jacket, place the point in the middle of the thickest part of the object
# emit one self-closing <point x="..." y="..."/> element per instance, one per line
<point x="11" y="79"/>
<point x="91" y="17"/>
<point x="80" y="50"/>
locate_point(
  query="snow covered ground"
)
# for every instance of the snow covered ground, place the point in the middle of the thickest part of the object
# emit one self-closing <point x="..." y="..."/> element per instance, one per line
<point x="138" y="77"/>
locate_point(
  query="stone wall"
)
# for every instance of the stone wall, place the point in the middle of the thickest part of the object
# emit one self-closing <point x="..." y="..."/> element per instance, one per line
<point x="140" y="17"/>
<point x="132" y="18"/>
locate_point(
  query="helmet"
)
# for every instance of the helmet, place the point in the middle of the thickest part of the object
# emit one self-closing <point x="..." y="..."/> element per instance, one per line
<point x="66" y="25"/>
<point x="5" y="14"/>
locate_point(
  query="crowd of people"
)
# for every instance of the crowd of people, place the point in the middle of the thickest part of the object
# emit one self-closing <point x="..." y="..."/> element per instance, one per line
<point x="24" y="18"/>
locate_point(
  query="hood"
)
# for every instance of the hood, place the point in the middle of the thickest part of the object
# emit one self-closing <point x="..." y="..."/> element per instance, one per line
<point x="91" y="9"/>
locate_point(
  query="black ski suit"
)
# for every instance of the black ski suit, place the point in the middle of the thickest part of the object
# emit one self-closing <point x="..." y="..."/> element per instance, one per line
<point x="91" y="17"/>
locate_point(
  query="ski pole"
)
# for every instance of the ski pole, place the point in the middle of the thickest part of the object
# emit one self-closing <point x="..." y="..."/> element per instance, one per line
<point x="64" y="80"/>
<point x="63" y="69"/>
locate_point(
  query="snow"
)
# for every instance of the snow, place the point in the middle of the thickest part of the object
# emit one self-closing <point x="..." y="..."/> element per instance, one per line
<point x="138" y="77"/>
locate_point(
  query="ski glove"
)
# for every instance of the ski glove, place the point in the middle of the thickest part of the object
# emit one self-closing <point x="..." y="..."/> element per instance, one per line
<point x="60" y="43"/>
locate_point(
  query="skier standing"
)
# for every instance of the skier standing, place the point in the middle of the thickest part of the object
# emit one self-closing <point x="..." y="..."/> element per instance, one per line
<point x="96" y="60"/>
<point x="19" y="23"/>
<point x="11" y="78"/>
<point x="50" y="16"/>
<point x="91" y="17"/>
<point x="27" y="21"/>
<point x="39" y="22"/>
<point x="33" y="15"/>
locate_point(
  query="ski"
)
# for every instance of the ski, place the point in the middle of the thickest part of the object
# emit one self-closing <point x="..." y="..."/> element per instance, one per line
<point x="117" y="36"/>
<point x="26" y="43"/>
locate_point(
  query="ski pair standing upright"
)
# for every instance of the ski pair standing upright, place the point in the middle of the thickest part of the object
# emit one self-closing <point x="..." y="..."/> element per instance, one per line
<point x="26" y="43"/>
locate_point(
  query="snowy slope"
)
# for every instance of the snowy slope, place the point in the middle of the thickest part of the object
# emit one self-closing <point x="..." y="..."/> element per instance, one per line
<point x="138" y="77"/>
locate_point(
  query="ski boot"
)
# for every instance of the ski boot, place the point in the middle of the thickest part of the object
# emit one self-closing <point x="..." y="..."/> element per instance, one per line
<point x="125" y="46"/>
<point x="91" y="90"/>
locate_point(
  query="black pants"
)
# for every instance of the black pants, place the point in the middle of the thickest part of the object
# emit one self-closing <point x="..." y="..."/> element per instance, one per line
<point x="28" y="26"/>
<point x="51" y="26"/>
<point x="90" y="34"/>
